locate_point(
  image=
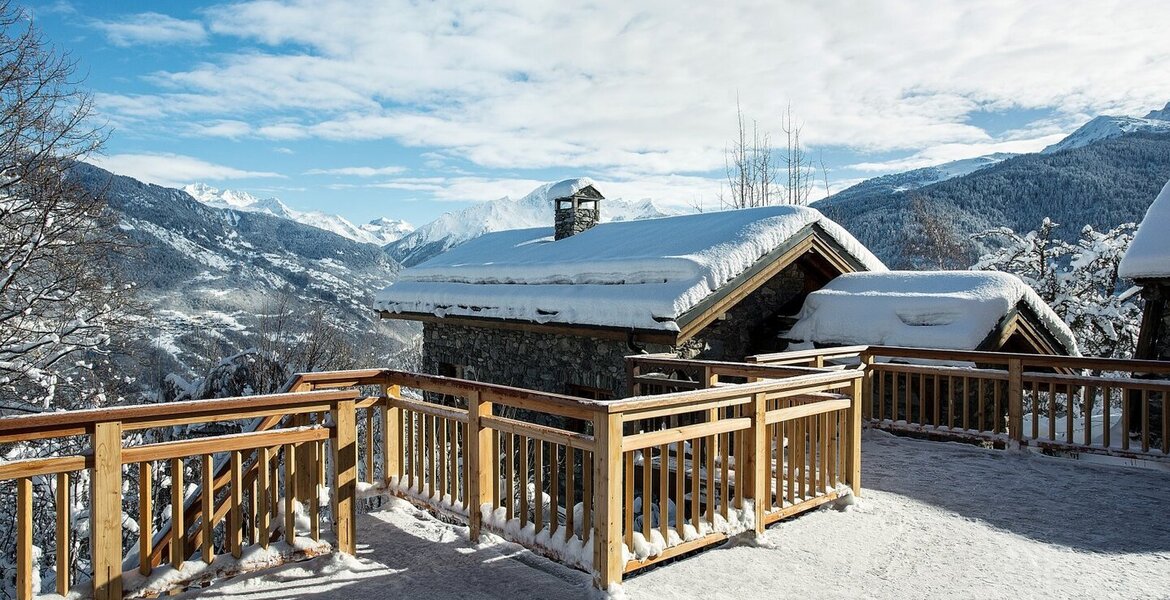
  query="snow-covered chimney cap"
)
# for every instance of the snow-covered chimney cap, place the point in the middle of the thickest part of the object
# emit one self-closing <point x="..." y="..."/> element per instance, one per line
<point x="576" y="204"/>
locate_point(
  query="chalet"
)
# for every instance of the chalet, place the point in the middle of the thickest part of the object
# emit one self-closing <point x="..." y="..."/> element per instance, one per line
<point x="1147" y="262"/>
<point x="574" y="300"/>
<point x="954" y="310"/>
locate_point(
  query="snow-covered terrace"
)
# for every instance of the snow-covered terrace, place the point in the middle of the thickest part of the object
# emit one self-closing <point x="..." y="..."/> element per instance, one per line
<point x="936" y="520"/>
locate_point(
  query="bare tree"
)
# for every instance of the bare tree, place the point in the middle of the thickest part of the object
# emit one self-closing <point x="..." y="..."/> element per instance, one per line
<point x="798" y="166"/>
<point x="749" y="167"/>
<point x="60" y="294"/>
<point x="936" y="244"/>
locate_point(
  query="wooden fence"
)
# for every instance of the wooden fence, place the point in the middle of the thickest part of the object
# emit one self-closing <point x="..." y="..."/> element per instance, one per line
<point x="1059" y="403"/>
<point x="609" y="487"/>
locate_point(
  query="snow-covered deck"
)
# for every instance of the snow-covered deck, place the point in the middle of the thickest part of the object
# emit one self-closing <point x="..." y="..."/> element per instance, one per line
<point x="937" y="520"/>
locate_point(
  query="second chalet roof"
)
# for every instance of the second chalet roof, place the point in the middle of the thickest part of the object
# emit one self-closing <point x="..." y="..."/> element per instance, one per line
<point x="1148" y="256"/>
<point x="634" y="274"/>
<point x="955" y="310"/>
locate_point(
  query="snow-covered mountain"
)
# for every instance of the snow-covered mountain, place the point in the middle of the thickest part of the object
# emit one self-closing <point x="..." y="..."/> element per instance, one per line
<point x="380" y="231"/>
<point x="207" y="276"/>
<point x="533" y="210"/>
<point x="917" y="178"/>
<point x="1106" y="126"/>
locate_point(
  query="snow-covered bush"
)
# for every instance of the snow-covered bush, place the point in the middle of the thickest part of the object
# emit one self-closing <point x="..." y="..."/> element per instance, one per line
<point x="1079" y="280"/>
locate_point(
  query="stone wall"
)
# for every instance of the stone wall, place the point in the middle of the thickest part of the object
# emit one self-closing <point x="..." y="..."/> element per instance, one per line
<point x="536" y="361"/>
<point x="571" y="221"/>
<point x="1154" y="341"/>
<point x="553" y="363"/>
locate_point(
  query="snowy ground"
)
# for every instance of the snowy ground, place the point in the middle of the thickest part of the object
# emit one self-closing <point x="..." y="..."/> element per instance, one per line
<point x="936" y="520"/>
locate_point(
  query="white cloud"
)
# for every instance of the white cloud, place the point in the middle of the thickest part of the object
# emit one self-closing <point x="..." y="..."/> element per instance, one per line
<point x="942" y="153"/>
<point x="151" y="28"/>
<point x="173" y="170"/>
<point x="358" y="171"/>
<point x="652" y="87"/>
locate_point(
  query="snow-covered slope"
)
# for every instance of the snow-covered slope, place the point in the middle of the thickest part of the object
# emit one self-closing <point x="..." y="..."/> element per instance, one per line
<point x="533" y="210"/>
<point x="917" y="178"/>
<point x="380" y="231"/>
<point x="206" y="276"/>
<point x="1105" y="126"/>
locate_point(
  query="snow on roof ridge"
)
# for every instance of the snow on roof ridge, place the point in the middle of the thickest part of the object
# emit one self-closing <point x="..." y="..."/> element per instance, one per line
<point x="1149" y="252"/>
<point x="640" y="274"/>
<point x="932" y="309"/>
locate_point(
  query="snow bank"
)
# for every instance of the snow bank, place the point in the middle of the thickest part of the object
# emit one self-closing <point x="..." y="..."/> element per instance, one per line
<point x="1149" y="253"/>
<point x="636" y="274"/>
<point x="932" y="309"/>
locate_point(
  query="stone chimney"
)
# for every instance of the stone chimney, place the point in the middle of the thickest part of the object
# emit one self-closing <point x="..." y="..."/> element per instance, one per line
<point x="577" y="212"/>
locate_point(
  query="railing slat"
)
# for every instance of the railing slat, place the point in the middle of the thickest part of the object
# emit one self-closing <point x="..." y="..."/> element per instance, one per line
<point x="65" y="529"/>
<point x="235" y="529"/>
<point x="24" y="538"/>
<point x="145" y="524"/>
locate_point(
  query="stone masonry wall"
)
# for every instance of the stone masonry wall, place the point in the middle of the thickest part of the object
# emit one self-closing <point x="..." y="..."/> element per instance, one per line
<point x="573" y="221"/>
<point x="552" y="363"/>
<point x="1157" y="298"/>
<point x="536" y="361"/>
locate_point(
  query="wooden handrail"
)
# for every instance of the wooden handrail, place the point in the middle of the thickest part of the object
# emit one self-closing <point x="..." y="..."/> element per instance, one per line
<point x="719" y="367"/>
<point x="1039" y="360"/>
<point x="815" y="380"/>
<point x="80" y="422"/>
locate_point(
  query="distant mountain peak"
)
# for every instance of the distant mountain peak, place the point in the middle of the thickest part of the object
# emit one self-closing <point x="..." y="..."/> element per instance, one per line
<point x="380" y="231"/>
<point x="1107" y="126"/>
<point x="533" y="210"/>
<point x="1161" y="115"/>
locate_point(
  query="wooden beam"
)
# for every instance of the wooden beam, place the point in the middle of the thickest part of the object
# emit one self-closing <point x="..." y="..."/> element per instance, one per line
<point x="344" y="442"/>
<point x="480" y="455"/>
<point x="608" y="561"/>
<point x="106" y="510"/>
<point x="24" y="539"/>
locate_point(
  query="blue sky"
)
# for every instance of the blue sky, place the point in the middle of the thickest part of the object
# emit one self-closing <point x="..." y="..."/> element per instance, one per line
<point x="408" y="110"/>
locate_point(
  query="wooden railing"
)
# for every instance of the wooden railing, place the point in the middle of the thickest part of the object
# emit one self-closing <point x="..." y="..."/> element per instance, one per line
<point x="248" y="506"/>
<point x="608" y="487"/>
<point x="1059" y="403"/>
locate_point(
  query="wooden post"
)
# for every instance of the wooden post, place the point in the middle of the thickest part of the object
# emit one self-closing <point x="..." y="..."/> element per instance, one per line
<point x="758" y="461"/>
<point x="480" y="454"/>
<point x="608" y="563"/>
<point x="291" y="473"/>
<point x="867" y="386"/>
<point x="710" y="378"/>
<point x="633" y="370"/>
<point x="64" y="510"/>
<point x="178" y="543"/>
<point x="145" y="521"/>
<point x="24" y="538"/>
<point x="1015" y="399"/>
<point x="207" y="495"/>
<point x="106" y="511"/>
<point x="235" y="535"/>
<point x="391" y="435"/>
<point x="344" y="439"/>
<point x="260" y="493"/>
<point x="854" y="456"/>
<point x="299" y="485"/>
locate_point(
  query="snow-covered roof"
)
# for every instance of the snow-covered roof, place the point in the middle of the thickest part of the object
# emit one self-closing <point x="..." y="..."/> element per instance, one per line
<point x="953" y="310"/>
<point x="1149" y="253"/>
<point x="636" y="274"/>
